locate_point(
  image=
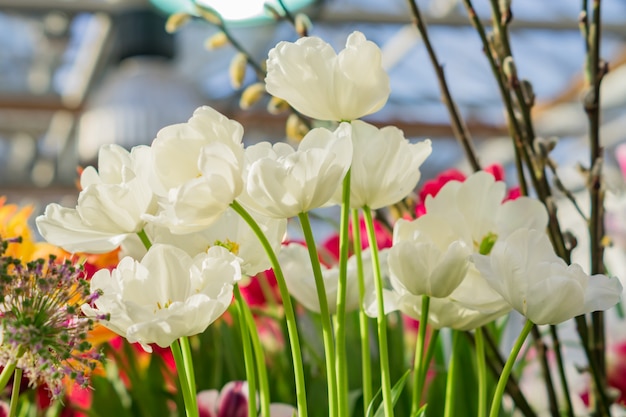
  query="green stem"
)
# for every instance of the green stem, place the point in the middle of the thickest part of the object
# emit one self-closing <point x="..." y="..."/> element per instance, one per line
<point x="341" y="362"/>
<point x="418" y="363"/>
<point x="257" y="349"/>
<point x="451" y="377"/>
<point x="508" y="367"/>
<point x="481" y="368"/>
<point x="430" y="352"/>
<point x="290" y="318"/>
<point x="6" y="374"/>
<point x="189" y="397"/>
<point x="381" y="320"/>
<point x="185" y="349"/>
<point x="247" y="353"/>
<point x="15" y="392"/>
<point x="144" y="239"/>
<point x="327" y="330"/>
<point x="364" y="331"/>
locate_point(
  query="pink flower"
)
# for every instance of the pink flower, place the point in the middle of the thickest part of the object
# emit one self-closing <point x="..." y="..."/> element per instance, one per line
<point x="432" y="186"/>
<point x="616" y="366"/>
<point x="329" y="252"/>
<point x="232" y="401"/>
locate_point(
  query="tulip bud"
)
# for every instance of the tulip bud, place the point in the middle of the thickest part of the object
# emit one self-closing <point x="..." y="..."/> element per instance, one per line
<point x="176" y="21"/>
<point x="302" y="24"/>
<point x="216" y="41"/>
<point x="251" y="95"/>
<point x="295" y="129"/>
<point x="277" y="106"/>
<point x="238" y="70"/>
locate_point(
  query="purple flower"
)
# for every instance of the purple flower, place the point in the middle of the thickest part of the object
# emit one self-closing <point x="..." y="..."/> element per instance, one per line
<point x="41" y="329"/>
<point x="232" y="401"/>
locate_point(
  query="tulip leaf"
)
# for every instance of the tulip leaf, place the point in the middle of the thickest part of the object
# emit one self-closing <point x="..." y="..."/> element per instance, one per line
<point x="396" y="390"/>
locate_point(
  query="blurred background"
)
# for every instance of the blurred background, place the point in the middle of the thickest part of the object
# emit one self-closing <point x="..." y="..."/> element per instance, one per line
<point x="76" y="74"/>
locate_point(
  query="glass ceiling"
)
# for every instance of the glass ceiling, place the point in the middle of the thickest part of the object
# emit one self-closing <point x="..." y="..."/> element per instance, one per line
<point x="137" y="96"/>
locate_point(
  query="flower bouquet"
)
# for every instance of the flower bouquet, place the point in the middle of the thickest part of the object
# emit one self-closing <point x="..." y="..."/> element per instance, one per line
<point x="419" y="305"/>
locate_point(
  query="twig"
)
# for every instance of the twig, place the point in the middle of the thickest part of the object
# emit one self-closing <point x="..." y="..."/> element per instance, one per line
<point x="256" y="66"/>
<point x="556" y="346"/>
<point x="547" y="376"/>
<point x="458" y="125"/>
<point x="523" y="147"/>
<point x="596" y="71"/>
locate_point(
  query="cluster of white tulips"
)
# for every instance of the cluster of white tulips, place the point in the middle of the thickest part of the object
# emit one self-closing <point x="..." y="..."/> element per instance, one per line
<point x="196" y="211"/>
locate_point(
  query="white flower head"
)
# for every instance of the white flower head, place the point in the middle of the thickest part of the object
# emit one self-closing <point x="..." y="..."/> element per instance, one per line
<point x="524" y="269"/>
<point x="428" y="262"/>
<point x="282" y="182"/>
<point x="385" y="165"/>
<point x="324" y="85"/>
<point x="197" y="169"/>
<point x="166" y="296"/>
<point x="110" y="206"/>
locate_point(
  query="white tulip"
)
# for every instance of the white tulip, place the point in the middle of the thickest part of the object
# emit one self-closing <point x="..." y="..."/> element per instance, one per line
<point x="166" y="296"/>
<point x="110" y="206"/>
<point x="282" y="182"/>
<point x="229" y="231"/>
<point x="197" y="167"/>
<point x="429" y="262"/>
<point x="385" y="165"/>
<point x="324" y="85"/>
<point x="524" y="269"/>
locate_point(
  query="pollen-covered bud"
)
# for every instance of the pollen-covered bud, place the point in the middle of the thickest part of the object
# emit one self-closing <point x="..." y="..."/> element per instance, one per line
<point x="216" y="41"/>
<point x="209" y="14"/>
<point x="295" y="128"/>
<point x="302" y="24"/>
<point x="176" y="21"/>
<point x="277" y="105"/>
<point x="251" y="95"/>
<point x="238" y="70"/>
<point x="543" y="146"/>
<point x="510" y="69"/>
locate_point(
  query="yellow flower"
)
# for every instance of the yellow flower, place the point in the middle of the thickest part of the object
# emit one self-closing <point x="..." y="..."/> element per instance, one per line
<point x="14" y="223"/>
